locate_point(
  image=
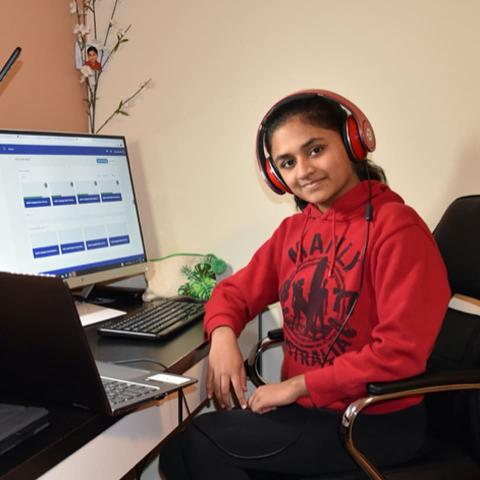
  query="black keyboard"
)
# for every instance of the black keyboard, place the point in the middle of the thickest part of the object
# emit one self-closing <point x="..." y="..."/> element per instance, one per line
<point x="154" y="321"/>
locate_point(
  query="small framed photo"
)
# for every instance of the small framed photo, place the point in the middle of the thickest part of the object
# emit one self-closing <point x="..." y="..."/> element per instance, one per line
<point x="93" y="56"/>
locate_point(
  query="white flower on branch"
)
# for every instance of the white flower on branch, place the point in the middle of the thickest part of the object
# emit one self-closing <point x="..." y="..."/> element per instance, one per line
<point x="125" y="103"/>
<point x="81" y="29"/>
<point x="85" y="72"/>
<point x="73" y="7"/>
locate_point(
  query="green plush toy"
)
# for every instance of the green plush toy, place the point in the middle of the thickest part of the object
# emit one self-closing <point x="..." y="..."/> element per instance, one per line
<point x="201" y="279"/>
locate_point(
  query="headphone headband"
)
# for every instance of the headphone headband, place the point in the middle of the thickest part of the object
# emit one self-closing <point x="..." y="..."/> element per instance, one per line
<point x="358" y="135"/>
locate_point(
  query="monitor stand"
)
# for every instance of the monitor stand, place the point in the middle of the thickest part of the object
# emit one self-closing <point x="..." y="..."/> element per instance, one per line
<point x="93" y="310"/>
<point x="91" y="313"/>
<point x="85" y="294"/>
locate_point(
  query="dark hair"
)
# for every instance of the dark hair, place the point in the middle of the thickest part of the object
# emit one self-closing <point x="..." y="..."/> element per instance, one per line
<point x="91" y="48"/>
<point x="323" y="113"/>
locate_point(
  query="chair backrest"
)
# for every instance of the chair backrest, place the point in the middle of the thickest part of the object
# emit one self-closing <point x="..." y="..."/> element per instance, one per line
<point x="458" y="237"/>
<point x="458" y="344"/>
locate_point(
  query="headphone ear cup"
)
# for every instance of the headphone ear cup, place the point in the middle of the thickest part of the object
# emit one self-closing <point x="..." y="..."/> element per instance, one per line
<point x="276" y="181"/>
<point x="268" y="170"/>
<point x="354" y="145"/>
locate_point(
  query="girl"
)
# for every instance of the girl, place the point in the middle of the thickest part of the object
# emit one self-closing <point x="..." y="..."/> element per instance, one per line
<point x="363" y="292"/>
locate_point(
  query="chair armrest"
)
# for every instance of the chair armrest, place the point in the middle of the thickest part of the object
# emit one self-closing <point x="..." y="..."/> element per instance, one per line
<point x="276" y="334"/>
<point x="273" y="338"/>
<point x="382" y="392"/>
<point x="437" y="379"/>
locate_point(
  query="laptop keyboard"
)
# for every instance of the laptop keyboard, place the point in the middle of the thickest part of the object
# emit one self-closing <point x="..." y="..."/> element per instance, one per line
<point x="119" y="391"/>
<point x="154" y="321"/>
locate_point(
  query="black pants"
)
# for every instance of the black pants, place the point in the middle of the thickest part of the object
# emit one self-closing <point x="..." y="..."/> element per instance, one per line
<point x="288" y="442"/>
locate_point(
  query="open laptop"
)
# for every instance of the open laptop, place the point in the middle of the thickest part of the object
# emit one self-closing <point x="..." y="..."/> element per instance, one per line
<point x="45" y="354"/>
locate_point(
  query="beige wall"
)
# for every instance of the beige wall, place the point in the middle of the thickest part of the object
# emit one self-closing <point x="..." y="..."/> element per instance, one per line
<point x="218" y="65"/>
<point x="42" y="90"/>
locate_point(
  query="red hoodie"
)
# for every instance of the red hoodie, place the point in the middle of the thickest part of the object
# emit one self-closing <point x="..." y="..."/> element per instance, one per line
<point x="313" y="263"/>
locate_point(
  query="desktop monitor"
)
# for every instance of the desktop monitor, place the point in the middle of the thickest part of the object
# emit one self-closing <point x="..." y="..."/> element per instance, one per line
<point x="68" y="208"/>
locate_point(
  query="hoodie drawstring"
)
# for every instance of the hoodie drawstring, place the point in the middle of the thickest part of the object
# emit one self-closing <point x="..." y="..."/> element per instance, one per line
<point x="300" y="243"/>
<point x="333" y="252"/>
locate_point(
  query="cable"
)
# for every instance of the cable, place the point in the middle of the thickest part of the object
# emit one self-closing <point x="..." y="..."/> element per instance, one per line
<point x="140" y="467"/>
<point x="177" y="255"/>
<point x="233" y="454"/>
<point x="368" y="218"/>
<point x="253" y="457"/>
<point x="184" y="398"/>
<point x="146" y="360"/>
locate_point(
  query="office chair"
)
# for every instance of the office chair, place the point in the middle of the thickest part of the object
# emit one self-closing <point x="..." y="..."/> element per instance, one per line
<point x="452" y="380"/>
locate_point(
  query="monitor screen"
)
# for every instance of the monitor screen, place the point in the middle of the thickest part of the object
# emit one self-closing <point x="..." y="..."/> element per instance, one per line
<point x="68" y="207"/>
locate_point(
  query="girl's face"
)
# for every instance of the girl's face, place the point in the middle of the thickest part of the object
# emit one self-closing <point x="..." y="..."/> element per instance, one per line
<point x="313" y="162"/>
<point x="92" y="56"/>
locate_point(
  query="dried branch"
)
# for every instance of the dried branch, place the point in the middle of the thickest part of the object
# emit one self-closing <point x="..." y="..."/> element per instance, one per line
<point x="120" y="110"/>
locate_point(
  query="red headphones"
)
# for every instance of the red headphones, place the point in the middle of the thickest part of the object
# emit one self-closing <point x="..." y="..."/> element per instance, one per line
<point x="357" y="134"/>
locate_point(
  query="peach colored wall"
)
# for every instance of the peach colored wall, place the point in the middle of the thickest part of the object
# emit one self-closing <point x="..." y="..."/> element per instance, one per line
<point x="42" y="91"/>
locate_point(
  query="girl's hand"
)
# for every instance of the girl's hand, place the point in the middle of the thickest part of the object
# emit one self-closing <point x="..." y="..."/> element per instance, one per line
<point x="225" y="368"/>
<point x="269" y="397"/>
